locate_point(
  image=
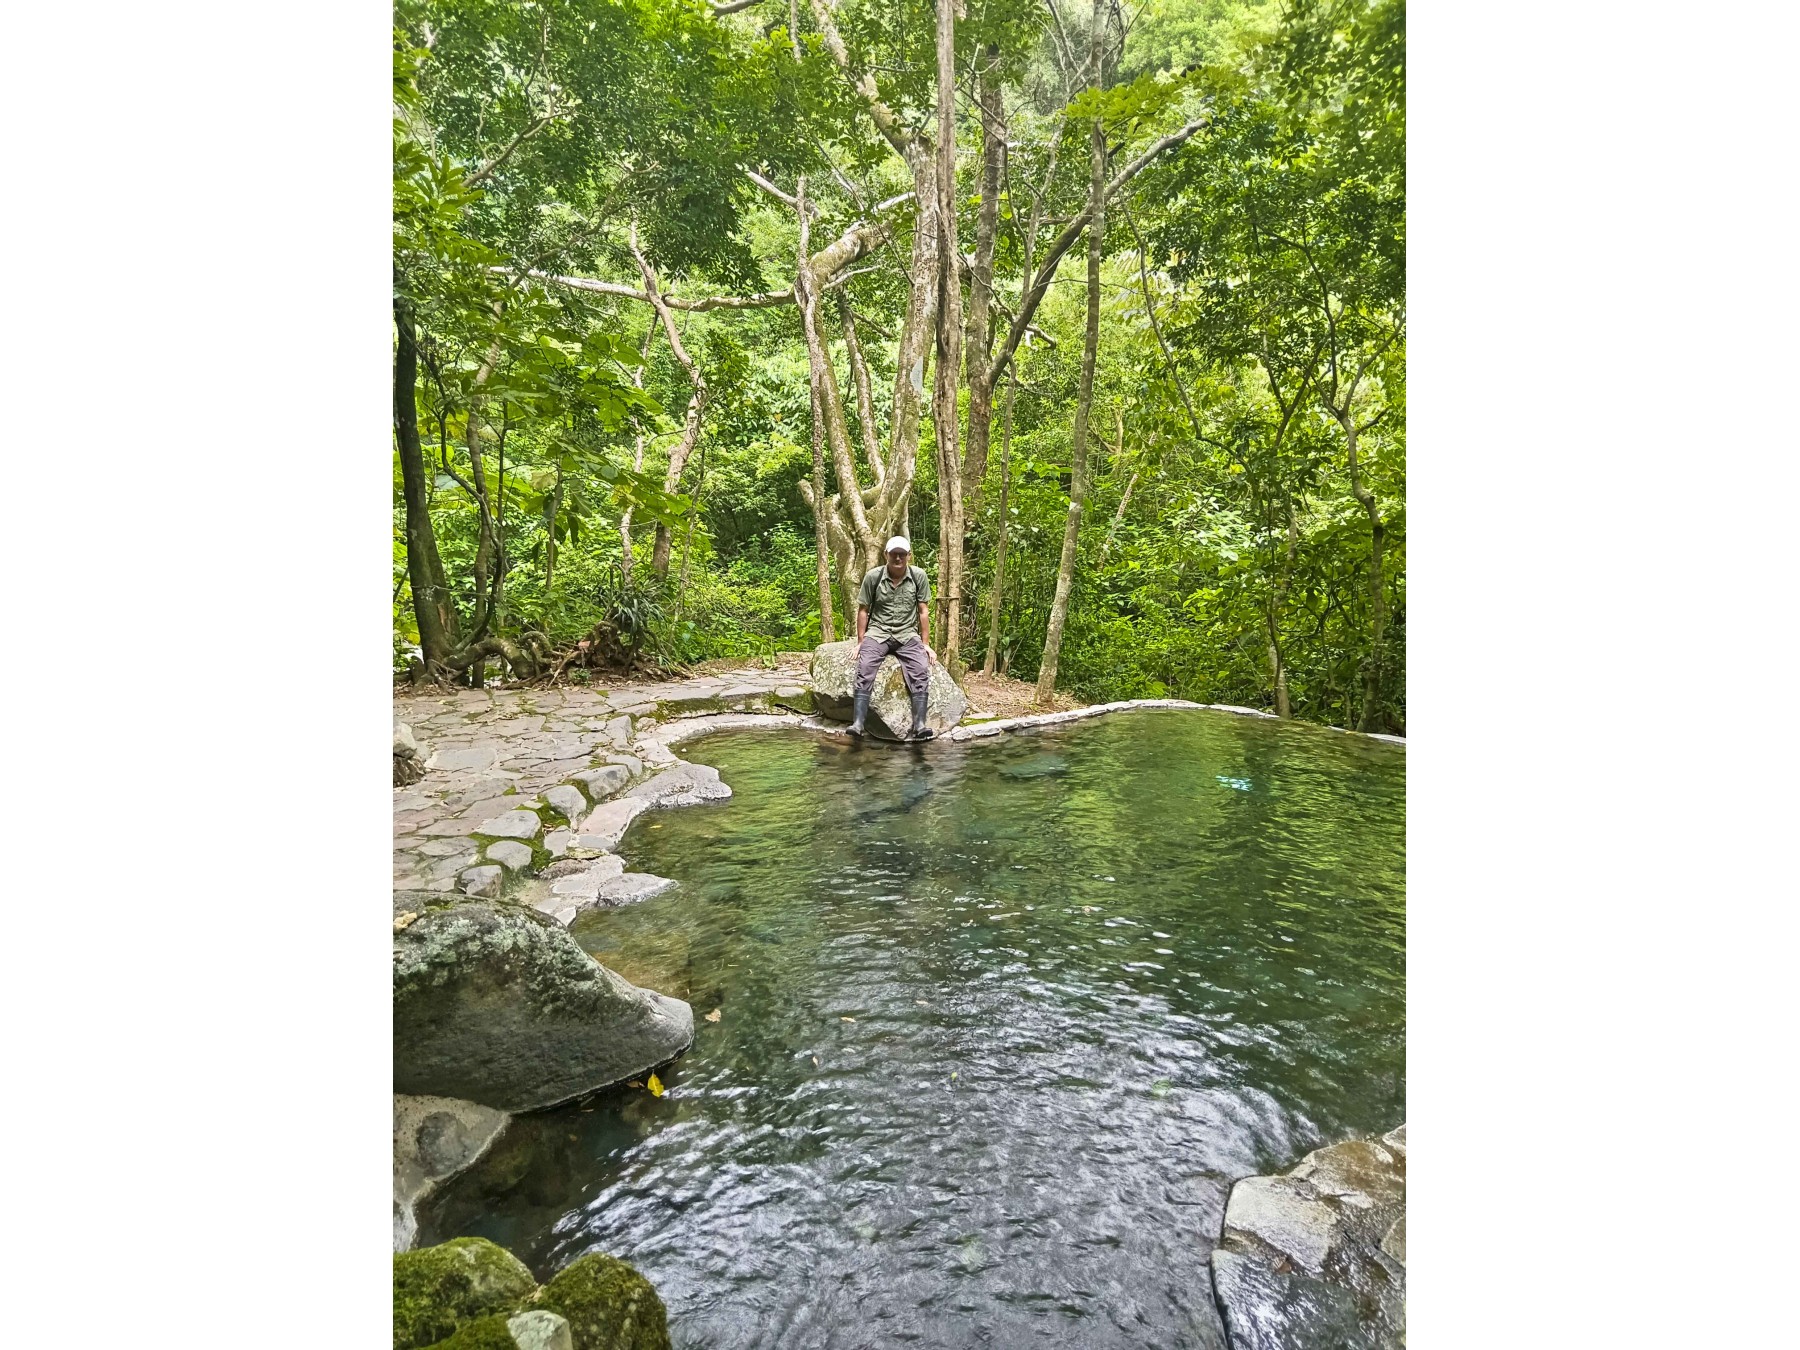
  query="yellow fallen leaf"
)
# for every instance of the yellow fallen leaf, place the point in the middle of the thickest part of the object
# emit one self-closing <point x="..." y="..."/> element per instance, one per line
<point x="715" y="1015"/>
<point x="634" y="1083"/>
<point x="846" y="1019"/>
<point x="815" y="1060"/>
<point x="656" y="1087"/>
<point x="403" y="920"/>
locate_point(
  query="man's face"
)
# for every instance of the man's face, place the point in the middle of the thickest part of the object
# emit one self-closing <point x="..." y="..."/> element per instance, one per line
<point x="897" y="557"/>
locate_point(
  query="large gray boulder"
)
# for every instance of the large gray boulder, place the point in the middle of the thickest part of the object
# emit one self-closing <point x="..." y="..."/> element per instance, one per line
<point x="890" y="706"/>
<point x="1317" y="1258"/>
<point x="495" y="1003"/>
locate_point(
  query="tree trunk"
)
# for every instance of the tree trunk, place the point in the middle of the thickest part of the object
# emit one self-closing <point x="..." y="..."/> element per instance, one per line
<point x="690" y="430"/>
<point x="865" y="395"/>
<point x="487" y="547"/>
<point x="626" y="560"/>
<point x="432" y="606"/>
<point x="827" y="630"/>
<point x="555" y="505"/>
<point x="979" y="348"/>
<point x="993" y="643"/>
<point x="949" y="348"/>
<point x="1277" y="604"/>
<point x="1372" y="668"/>
<point x="1084" y="400"/>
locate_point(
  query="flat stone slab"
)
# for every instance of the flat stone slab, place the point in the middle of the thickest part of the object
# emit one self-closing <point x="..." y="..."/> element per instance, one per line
<point x="629" y="887"/>
<point x="586" y="884"/>
<point x="556" y="842"/>
<point x="509" y="854"/>
<point x="602" y="782"/>
<point x="511" y="825"/>
<point x="683" y="785"/>
<point x="476" y="757"/>
<point x="606" y="823"/>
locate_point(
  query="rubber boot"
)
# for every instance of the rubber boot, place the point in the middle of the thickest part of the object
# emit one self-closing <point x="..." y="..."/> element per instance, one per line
<point x="862" y="713"/>
<point x="921" y="732"/>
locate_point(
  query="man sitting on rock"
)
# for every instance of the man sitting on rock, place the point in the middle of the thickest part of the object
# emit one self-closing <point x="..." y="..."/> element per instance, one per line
<point x="893" y="613"/>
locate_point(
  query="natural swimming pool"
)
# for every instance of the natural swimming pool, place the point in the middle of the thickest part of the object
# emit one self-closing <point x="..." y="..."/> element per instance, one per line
<point x="999" y="1022"/>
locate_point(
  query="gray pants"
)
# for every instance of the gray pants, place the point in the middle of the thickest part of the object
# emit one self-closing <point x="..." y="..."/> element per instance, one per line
<point x="915" y="662"/>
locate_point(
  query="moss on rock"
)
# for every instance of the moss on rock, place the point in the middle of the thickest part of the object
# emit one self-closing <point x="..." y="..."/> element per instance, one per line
<point x="484" y="1333"/>
<point x="437" y="1289"/>
<point x="609" y="1306"/>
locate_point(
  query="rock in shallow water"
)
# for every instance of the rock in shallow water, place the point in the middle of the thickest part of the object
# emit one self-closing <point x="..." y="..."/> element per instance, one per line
<point x="1315" y="1259"/>
<point x="497" y="1004"/>
<point x="890" y="706"/>
<point x="609" y="1306"/>
<point x="434" y="1139"/>
<point x="439" y="1288"/>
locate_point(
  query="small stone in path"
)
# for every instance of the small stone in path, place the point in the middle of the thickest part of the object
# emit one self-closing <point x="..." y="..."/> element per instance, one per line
<point x="557" y="842"/>
<point x="444" y="848"/>
<point x="618" y="731"/>
<point x="512" y="825"/>
<point x="567" y="800"/>
<point x="482" y="881"/>
<point x="509" y="855"/>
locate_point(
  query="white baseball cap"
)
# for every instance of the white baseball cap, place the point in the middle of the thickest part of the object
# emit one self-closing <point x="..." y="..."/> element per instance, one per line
<point x="900" y="542"/>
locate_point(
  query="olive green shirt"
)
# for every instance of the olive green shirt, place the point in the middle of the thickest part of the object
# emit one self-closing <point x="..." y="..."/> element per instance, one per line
<point x="893" y="609"/>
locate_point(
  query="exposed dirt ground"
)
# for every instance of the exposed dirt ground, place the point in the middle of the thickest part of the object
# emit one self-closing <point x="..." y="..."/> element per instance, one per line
<point x="1003" y="696"/>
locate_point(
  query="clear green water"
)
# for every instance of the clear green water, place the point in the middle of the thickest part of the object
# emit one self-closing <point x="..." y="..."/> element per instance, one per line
<point x="1095" y="974"/>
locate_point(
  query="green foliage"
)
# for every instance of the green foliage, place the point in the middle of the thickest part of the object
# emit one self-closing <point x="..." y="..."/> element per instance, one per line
<point x="1253" y="300"/>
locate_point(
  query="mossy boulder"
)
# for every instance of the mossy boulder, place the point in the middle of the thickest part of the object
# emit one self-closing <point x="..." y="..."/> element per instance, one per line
<point x="437" y="1289"/>
<point x="609" y="1306"/>
<point x="495" y="1003"/>
<point x="533" y="1329"/>
<point x="484" y="1333"/>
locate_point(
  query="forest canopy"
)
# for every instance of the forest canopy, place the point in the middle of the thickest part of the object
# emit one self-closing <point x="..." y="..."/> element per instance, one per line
<point x="1102" y="305"/>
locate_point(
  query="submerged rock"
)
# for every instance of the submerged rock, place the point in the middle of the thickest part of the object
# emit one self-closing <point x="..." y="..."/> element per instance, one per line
<point x="434" y="1139"/>
<point x="1316" y="1258"/>
<point x="1044" y="765"/>
<point x="890" y="706"/>
<point x="437" y="1289"/>
<point x="495" y="1003"/>
<point x="609" y="1306"/>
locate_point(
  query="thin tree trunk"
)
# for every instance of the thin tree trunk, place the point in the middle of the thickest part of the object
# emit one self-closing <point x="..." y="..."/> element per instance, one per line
<point x="949" y="349"/>
<point x="818" y="369"/>
<point x="979" y="347"/>
<point x="1372" y="668"/>
<point x="1117" y="520"/>
<point x="626" y="560"/>
<point x="555" y="505"/>
<point x="865" y="395"/>
<point x="432" y="606"/>
<point x="1065" y="568"/>
<point x="1006" y="424"/>
<point x="1277" y="603"/>
<point x="690" y="430"/>
<point x="486" y="544"/>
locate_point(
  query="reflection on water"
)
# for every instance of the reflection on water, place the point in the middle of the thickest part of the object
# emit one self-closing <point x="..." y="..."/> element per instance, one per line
<point x="999" y="1023"/>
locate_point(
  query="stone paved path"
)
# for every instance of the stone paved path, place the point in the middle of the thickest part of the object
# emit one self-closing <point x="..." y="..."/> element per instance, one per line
<point x="543" y="782"/>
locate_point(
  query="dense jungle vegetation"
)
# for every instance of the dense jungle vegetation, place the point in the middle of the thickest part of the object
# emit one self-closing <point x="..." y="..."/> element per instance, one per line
<point x="1104" y="306"/>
